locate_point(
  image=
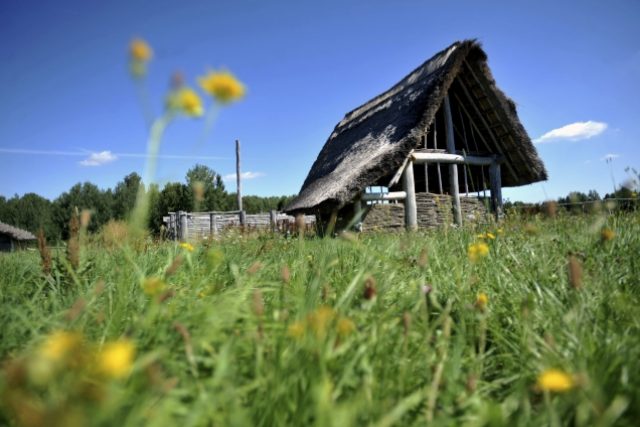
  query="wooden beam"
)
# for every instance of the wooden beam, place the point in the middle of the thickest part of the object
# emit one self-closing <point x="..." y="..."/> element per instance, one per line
<point x="500" y="112"/>
<point x="392" y="195"/>
<point x="495" y="147"/>
<point x="239" y="181"/>
<point x="496" y="189"/>
<point x="453" y="168"/>
<point x="422" y="158"/>
<point x="184" y="226"/>
<point x="398" y="174"/>
<point x="213" y="229"/>
<point x="410" y="205"/>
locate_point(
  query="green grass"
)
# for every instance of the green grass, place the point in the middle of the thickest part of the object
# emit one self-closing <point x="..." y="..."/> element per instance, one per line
<point x="234" y="358"/>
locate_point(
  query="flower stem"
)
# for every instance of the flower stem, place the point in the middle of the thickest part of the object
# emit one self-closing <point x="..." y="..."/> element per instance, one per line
<point x="141" y="211"/>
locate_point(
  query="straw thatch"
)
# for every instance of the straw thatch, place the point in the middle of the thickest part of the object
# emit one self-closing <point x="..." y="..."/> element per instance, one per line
<point x="16" y="233"/>
<point x="372" y="141"/>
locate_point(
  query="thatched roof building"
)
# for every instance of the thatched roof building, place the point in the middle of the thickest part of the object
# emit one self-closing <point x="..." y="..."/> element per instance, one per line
<point x="13" y="237"/>
<point x="374" y="142"/>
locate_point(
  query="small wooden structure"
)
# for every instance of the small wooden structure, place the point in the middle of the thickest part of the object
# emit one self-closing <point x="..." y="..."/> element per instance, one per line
<point x="447" y="113"/>
<point x="190" y="226"/>
<point x="12" y="238"/>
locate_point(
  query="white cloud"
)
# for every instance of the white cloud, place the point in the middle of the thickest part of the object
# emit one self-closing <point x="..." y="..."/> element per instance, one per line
<point x="243" y="175"/>
<point x="98" y="159"/>
<point x="610" y="157"/>
<point x="573" y="132"/>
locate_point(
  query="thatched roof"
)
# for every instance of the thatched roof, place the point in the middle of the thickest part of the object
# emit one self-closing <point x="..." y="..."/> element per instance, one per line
<point x="15" y="232"/>
<point x="372" y="141"/>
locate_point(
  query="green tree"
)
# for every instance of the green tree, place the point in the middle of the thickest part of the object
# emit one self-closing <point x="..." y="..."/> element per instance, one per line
<point x="125" y="195"/>
<point x="83" y="196"/>
<point x="204" y="180"/>
<point x="30" y="212"/>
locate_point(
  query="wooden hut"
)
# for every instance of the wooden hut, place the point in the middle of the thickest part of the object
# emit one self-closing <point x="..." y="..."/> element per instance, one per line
<point x="12" y="238"/>
<point x="415" y="154"/>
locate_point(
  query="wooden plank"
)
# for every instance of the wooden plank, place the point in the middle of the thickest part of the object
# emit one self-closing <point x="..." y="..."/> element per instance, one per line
<point x="410" y="205"/>
<point x="453" y="168"/>
<point x="392" y="195"/>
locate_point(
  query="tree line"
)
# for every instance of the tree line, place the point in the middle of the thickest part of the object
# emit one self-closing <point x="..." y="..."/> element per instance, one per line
<point x="203" y="190"/>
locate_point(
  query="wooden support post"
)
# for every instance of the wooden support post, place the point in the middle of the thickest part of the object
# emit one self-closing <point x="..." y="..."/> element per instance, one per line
<point x="466" y="183"/>
<point x="184" y="226"/>
<point x="239" y="182"/>
<point x="173" y="228"/>
<point x="213" y="226"/>
<point x="435" y="147"/>
<point x="453" y="168"/>
<point x="410" y="206"/>
<point x="496" y="189"/>
<point x="273" y="220"/>
<point x="426" y="178"/>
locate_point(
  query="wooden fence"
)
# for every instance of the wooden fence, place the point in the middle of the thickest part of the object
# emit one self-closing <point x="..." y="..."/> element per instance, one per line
<point x="185" y="226"/>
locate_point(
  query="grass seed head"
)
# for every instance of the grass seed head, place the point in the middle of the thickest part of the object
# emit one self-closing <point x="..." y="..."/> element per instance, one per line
<point x="575" y="272"/>
<point x="607" y="234"/>
<point x="370" y="290"/>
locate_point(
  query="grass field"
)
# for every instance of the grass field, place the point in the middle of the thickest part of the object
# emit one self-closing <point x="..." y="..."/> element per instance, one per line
<point x="374" y="329"/>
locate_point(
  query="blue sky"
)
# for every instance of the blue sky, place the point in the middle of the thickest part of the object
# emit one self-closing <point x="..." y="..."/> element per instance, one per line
<point x="67" y="92"/>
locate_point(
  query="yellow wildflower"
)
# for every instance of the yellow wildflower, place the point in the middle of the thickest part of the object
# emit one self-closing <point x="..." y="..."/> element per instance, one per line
<point x="140" y="51"/>
<point x="296" y="330"/>
<point x="491" y="236"/>
<point x="153" y="286"/>
<point x="223" y="86"/>
<point x="477" y="251"/>
<point x="60" y="344"/>
<point x="116" y="358"/>
<point x="345" y="327"/>
<point x="187" y="101"/>
<point x="481" y="301"/>
<point x="319" y="320"/>
<point x="554" y="380"/>
<point x="500" y="231"/>
<point x="187" y="246"/>
<point x="607" y="234"/>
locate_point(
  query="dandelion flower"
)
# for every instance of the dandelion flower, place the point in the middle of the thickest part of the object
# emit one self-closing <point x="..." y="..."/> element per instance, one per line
<point x="187" y="246"/>
<point x="554" y="380"/>
<point x="491" y="236"/>
<point x="116" y="358"/>
<point x="139" y="50"/>
<point x="223" y="86"/>
<point x="481" y="301"/>
<point x="477" y="251"/>
<point x="153" y="286"/>
<point x="60" y="344"/>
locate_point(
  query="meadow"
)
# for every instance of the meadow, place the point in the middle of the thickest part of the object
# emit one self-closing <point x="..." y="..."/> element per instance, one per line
<point x="535" y="321"/>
